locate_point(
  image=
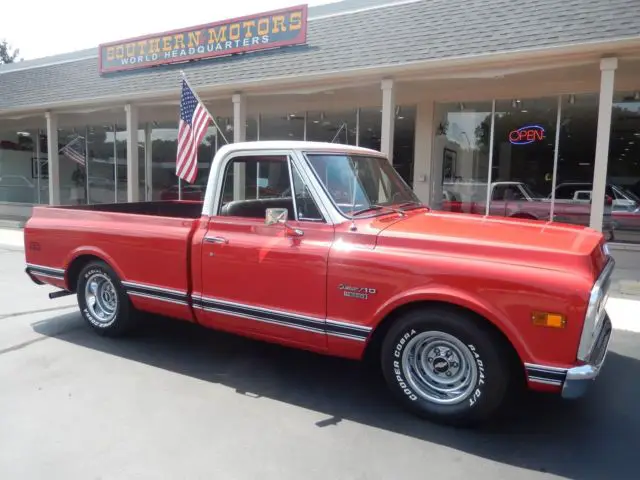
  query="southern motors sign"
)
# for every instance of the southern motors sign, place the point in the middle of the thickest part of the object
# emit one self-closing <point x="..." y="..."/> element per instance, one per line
<point x="256" y="32"/>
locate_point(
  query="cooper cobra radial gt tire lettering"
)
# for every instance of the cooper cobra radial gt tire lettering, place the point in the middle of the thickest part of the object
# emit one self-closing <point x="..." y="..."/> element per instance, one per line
<point x="103" y="302"/>
<point x="446" y="366"/>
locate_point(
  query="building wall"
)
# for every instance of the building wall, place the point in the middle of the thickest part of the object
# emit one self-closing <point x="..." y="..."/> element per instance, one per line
<point x="343" y="112"/>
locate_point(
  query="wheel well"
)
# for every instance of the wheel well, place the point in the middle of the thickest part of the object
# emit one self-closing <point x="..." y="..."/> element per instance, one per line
<point x="372" y="350"/>
<point x="76" y="267"/>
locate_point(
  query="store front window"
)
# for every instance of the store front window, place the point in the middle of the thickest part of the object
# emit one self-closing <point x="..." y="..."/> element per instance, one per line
<point x="523" y="157"/>
<point x="164" y="147"/>
<point x="121" y="172"/>
<point x="332" y="127"/>
<point x="461" y="155"/>
<point x="285" y="126"/>
<point x="20" y="178"/>
<point x="404" y="141"/>
<point x="539" y="143"/>
<point x="623" y="170"/>
<point x="72" y="145"/>
<point x="101" y="155"/>
<point x="576" y="161"/>
<point x="370" y="128"/>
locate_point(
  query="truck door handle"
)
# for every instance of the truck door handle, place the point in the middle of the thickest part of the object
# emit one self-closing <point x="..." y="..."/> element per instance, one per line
<point x="216" y="240"/>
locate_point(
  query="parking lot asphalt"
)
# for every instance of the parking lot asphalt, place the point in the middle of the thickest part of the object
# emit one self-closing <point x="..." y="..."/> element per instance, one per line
<point x="178" y="401"/>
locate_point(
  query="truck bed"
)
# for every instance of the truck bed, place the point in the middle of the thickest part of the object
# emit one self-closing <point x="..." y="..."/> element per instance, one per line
<point x="170" y="208"/>
<point x="148" y="244"/>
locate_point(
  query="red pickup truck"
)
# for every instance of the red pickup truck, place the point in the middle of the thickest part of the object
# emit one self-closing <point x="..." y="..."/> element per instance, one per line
<point x="324" y="247"/>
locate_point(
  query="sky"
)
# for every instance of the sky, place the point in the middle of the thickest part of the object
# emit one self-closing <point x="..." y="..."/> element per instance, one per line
<point x="64" y="26"/>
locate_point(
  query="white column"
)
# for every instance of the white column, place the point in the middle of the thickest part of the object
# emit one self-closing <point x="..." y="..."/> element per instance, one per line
<point x="423" y="151"/>
<point x="133" y="190"/>
<point x="388" y="118"/>
<point x="148" y="165"/>
<point x="607" y="76"/>
<point x="239" y="117"/>
<point x="239" y="135"/>
<point x="53" y="158"/>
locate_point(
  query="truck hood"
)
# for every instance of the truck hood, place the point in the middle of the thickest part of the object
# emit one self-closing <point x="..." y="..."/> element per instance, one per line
<point x="515" y="241"/>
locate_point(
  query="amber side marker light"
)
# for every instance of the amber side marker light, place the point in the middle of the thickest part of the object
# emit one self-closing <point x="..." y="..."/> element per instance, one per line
<point x="546" y="319"/>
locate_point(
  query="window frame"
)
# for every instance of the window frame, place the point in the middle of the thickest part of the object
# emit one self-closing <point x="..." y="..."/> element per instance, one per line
<point x="322" y="218"/>
<point x="339" y="216"/>
<point x="249" y="157"/>
<point x="229" y="163"/>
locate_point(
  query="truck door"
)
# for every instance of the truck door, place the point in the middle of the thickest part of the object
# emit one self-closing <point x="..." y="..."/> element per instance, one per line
<point x="265" y="279"/>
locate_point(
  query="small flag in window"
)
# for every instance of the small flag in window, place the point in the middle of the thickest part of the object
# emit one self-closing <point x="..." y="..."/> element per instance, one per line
<point x="75" y="150"/>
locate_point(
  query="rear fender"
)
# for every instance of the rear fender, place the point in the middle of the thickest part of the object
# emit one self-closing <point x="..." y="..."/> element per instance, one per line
<point x="461" y="299"/>
<point x="95" y="252"/>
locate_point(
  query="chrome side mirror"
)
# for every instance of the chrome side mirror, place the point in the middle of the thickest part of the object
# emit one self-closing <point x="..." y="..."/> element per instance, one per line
<point x="276" y="215"/>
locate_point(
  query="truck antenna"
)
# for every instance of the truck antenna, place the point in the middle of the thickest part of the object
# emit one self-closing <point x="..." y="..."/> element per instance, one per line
<point x="353" y="227"/>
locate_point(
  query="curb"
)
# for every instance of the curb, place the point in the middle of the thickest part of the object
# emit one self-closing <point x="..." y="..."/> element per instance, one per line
<point x="12" y="224"/>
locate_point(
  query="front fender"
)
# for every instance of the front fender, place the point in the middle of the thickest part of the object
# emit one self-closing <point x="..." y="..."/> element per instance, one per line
<point x="459" y="298"/>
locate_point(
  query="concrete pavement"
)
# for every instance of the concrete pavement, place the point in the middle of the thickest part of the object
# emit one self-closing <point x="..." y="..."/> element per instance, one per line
<point x="178" y="401"/>
<point x="12" y="238"/>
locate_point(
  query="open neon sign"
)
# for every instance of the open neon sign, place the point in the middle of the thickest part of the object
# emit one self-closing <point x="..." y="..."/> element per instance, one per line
<point x="526" y="135"/>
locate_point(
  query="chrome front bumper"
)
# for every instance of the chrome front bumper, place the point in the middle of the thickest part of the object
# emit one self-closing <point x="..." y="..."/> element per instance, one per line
<point x="578" y="379"/>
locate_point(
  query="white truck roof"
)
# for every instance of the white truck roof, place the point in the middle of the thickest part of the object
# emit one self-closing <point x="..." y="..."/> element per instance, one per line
<point x="295" y="145"/>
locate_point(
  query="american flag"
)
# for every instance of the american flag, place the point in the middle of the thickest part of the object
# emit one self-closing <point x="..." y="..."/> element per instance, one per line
<point x="194" y="120"/>
<point x="75" y="150"/>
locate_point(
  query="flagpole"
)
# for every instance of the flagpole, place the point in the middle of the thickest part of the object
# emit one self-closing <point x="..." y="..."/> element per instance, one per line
<point x="184" y="77"/>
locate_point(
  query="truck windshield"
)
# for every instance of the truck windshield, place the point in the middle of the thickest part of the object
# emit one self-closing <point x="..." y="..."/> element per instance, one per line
<point x="359" y="183"/>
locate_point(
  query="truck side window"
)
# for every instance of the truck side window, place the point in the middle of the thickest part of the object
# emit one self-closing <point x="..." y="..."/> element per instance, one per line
<point x="263" y="183"/>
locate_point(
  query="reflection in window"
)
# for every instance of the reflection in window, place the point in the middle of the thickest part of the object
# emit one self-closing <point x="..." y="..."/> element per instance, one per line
<point x="623" y="170"/>
<point x="164" y="147"/>
<point x="73" y="181"/>
<point x="370" y="128"/>
<point x="102" y="155"/>
<point x="404" y="141"/>
<point x="523" y="156"/>
<point x="332" y="127"/>
<point x="251" y="134"/>
<point x="461" y="157"/>
<point x="19" y="169"/>
<point x="286" y="126"/>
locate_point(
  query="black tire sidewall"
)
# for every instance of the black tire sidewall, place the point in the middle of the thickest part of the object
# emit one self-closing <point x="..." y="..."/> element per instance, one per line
<point x="120" y="320"/>
<point x="492" y="381"/>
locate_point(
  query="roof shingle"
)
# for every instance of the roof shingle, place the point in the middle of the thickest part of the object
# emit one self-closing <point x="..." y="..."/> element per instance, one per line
<point x="394" y="34"/>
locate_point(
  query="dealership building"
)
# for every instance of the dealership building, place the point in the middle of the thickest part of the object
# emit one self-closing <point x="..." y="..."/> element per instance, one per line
<point x="541" y="100"/>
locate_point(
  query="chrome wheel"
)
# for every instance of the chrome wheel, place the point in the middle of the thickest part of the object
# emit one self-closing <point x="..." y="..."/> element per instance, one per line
<point x="439" y="368"/>
<point x="101" y="298"/>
